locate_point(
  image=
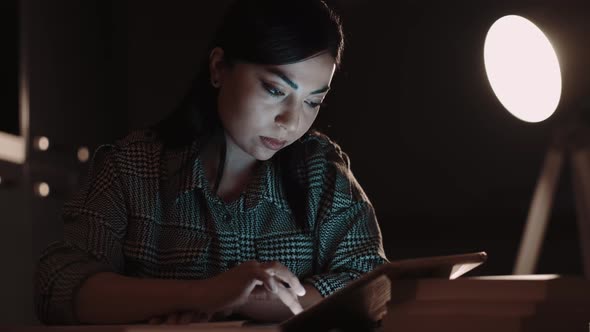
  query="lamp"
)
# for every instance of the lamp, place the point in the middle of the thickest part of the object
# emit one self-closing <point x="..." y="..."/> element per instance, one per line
<point x="525" y="74"/>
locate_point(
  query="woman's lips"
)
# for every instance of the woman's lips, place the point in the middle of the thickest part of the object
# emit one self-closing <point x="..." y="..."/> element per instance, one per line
<point x="271" y="143"/>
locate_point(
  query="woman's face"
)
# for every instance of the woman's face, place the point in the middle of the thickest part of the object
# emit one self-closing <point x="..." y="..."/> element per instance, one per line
<point x="264" y="108"/>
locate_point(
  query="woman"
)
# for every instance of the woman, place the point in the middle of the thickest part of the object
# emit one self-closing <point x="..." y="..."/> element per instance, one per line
<point x="231" y="204"/>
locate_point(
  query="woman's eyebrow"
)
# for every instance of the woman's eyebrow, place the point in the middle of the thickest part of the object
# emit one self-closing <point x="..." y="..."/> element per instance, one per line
<point x="322" y="90"/>
<point x="292" y="84"/>
<point x="283" y="76"/>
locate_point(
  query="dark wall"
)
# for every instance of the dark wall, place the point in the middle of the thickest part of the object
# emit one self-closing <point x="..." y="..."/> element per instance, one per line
<point x="72" y="84"/>
<point x="447" y="167"/>
<point x="70" y="75"/>
<point x="9" y="67"/>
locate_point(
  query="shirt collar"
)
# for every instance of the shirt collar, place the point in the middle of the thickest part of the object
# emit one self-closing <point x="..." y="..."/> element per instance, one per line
<point x="264" y="185"/>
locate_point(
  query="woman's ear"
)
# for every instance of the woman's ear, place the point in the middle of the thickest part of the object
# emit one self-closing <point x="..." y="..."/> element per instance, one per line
<point x="216" y="67"/>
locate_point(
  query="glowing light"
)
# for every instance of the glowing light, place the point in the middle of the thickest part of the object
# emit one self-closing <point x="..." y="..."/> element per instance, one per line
<point x="522" y="68"/>
<point x="41" y="143"/>
<point x="42" y="189"/>
<point x="520" y="277"/>
<point x="83" y="154"/>
<point x="12" y="148"/>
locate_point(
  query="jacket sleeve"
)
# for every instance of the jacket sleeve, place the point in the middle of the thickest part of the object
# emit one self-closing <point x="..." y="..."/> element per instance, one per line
<point x="350" y="242"/>
<point x="95" y="221"/>
<point x="347" y="232"/>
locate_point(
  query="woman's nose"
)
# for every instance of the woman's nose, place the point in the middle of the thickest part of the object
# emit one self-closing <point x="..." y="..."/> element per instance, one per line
<point x="288" y="118"/>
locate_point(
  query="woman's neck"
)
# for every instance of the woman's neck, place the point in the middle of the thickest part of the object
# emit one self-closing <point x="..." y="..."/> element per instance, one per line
<point x="237" y="171"/>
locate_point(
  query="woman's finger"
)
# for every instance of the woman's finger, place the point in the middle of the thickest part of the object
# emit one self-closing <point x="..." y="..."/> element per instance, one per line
<point x="281" y="272"/>
<point x="289" y="299"/>
<point x="263" y="279"/>
<point x="255" y="282"/>
<point x="270" y="282"/>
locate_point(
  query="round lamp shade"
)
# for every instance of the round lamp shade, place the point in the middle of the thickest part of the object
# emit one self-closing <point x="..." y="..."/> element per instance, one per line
<point x="522" y="68"/>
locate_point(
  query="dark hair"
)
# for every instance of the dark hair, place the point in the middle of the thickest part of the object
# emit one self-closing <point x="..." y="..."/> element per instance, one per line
<point x="272" y="32"/>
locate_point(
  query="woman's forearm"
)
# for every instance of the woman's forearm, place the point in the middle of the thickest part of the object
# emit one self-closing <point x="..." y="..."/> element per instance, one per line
<point x="110" y="298"/>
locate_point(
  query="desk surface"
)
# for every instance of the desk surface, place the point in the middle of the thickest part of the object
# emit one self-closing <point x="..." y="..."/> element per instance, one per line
<point x="198" y="327"/>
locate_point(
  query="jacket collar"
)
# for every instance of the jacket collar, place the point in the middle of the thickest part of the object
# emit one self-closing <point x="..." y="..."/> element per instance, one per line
<point x="264" y="184"/>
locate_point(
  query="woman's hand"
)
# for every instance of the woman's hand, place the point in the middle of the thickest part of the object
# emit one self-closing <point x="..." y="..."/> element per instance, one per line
<point x="235" y="285"/>
<point x="232" y="290"/>
<point x="285" y="287"/>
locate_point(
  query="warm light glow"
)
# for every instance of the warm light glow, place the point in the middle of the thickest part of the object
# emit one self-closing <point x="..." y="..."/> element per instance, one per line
<point x="41" y="143"/>
<point x="42" y="189"/>
<point x="522" y="68"/>
<point x="12" y="148"/>
<point x="460" y="269"/>
<point x="520" y="277"/>
<point x="83" y="154"/>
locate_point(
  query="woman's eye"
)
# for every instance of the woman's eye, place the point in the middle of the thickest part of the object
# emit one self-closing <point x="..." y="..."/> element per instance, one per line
<point x="314" y="104"/>
<point x="272" y="90"/>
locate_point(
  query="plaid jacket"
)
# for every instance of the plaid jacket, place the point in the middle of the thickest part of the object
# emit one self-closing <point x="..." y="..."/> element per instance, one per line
<point x="147" y="211"/>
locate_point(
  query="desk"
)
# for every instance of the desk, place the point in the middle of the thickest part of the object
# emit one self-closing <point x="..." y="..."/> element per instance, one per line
<point x="196" y="327"/>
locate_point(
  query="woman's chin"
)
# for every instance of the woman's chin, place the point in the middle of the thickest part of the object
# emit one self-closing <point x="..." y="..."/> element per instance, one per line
<point x="265" y="157"/>
<point x="264" y="154"/>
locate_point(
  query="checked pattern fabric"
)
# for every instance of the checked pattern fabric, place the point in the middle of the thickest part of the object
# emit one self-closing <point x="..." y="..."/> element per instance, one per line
<point x="147" y="211"/>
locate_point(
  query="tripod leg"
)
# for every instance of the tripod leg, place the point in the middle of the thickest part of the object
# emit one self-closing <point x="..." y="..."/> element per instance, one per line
<point x="581" y="186"/>
<point x="539" y="212"/>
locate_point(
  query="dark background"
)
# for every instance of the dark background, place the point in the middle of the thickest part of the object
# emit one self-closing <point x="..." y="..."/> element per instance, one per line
<point x="9" y="121"/>
<point x="446" y="167"/>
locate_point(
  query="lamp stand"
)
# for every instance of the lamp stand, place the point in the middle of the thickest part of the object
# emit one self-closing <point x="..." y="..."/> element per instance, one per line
<point x="573" y="145"/>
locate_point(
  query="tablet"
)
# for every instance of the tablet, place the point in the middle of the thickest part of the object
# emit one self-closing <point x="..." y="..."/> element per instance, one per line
<point x="363" y="301"/>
